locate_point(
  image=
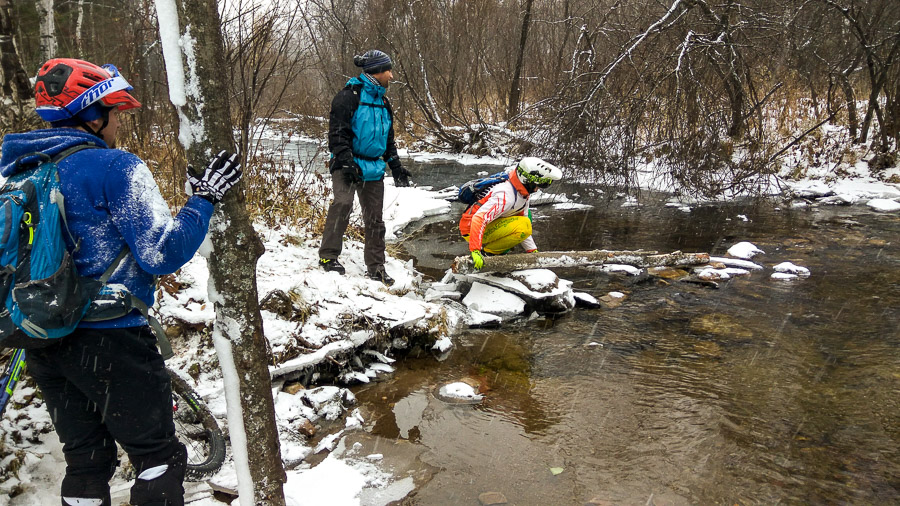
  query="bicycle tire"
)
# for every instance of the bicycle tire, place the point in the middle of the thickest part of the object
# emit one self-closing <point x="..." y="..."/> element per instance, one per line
<point x="9" y="376"/>
<point x="198" y="430"/>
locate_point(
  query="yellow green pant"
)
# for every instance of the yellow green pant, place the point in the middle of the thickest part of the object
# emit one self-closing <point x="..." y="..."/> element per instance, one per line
<point x="503" y="234"/>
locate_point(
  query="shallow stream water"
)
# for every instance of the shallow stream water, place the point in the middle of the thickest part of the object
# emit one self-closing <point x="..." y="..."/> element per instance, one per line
<point x="758" y="392"/>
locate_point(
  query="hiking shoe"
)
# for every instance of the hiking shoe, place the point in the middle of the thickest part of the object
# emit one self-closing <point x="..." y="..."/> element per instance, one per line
<point x="379" y="274"/>
<point x="332" y="265"/>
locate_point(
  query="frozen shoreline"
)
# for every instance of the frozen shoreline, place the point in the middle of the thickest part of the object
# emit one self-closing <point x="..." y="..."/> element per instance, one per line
<point x="290" y="265"/>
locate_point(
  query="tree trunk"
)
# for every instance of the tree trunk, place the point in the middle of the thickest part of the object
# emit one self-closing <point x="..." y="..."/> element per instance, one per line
<point x="521" y="261"/>
<point x="237" y="333"/>
<point x="515" y="91"/>
<point x="736" y="98"/>
<point x="562" y="47"/>
<point x="870" y="111"/>
<point x="894" y="111"/>
<point x="48" y="29"/>
<point x="15" y="80"/>
<point x="850" y="97"/>
<point x="79" y="24"/>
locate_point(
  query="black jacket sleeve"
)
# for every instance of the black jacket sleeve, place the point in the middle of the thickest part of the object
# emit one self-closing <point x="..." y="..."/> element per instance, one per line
<point x="340" y="127"/>
<point x="390" y="154"/>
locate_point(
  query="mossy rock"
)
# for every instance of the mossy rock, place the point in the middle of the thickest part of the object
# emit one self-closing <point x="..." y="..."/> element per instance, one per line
<point x="708" y="349"/>
<point x="721" y="326"/>
<point x="667" y="272"/>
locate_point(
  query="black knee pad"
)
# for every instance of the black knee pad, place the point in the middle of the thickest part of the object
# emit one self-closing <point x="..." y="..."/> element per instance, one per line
<point x="88" y="475"/>
<point x="160" y="477"/>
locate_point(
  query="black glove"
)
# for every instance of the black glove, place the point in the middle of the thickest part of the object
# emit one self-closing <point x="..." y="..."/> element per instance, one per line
<point x="401" y="175"/>
<point x="222" y="172"/>
<point x="351" y="172"/>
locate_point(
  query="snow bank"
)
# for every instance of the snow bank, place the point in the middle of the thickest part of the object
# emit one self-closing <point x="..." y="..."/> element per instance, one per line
<point x="884" y="205"/>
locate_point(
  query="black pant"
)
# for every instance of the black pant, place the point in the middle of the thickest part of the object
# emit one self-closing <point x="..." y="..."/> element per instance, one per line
<point x="104" y="386"/>
<point x="371" y="199"/>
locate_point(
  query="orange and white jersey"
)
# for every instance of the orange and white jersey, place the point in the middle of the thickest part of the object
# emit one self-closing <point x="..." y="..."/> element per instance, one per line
<point x="509" y="198"/>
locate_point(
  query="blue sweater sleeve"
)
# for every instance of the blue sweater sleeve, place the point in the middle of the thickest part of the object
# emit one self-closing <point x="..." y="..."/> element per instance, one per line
<point x="160" y="243"/>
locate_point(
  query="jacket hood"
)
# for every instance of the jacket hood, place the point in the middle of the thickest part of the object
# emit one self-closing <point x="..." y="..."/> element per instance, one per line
<point x="374" y="89"/>
<point x="49" y="141"/>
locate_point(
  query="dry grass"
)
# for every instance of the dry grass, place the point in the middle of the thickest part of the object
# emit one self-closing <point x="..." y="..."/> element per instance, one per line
<point x="278" y="191"/>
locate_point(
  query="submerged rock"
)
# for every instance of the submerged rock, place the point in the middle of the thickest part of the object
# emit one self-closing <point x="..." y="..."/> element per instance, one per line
<point x="613" y="300"/>
<point x="492" y="498"/>
<point x="708" y="349"/>
<point x="720" y="325"/>
<point x="667" y="272"/>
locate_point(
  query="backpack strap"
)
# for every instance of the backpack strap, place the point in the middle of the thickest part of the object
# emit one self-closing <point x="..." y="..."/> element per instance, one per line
<point x="74" y="149"/>
<point x="114" y="265"/>
<point x="162" y="340"/>
<point x="59" y="200"/>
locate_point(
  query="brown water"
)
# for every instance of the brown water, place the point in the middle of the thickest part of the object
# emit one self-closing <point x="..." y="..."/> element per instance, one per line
<point x="760" y="392"/>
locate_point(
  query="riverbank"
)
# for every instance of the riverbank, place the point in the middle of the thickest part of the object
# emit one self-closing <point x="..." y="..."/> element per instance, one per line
<point x="316" y="323"/>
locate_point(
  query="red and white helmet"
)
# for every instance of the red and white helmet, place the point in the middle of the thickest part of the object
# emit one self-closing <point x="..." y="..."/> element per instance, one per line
<point x="66" y="88"/>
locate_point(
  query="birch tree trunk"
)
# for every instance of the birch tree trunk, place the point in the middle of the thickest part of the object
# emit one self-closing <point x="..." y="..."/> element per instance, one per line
<point x="238" y="334"/>
<point x="79" y="23"/>
<point x="15" y="82"/>
<point x="47" y="29"/>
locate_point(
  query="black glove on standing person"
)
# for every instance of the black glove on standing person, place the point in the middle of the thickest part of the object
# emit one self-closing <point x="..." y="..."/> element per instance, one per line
<point x="351" y="172"/>
<point x="401" y="175"/>
<point x="222" y="172"/>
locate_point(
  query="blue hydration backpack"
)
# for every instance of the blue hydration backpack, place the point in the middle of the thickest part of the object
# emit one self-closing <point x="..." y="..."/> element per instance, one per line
<point x="42" y="296"/>
<point x="475" y="190"/>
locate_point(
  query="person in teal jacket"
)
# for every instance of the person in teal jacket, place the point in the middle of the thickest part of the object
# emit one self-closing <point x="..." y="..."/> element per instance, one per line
<point x="361" y="141"/>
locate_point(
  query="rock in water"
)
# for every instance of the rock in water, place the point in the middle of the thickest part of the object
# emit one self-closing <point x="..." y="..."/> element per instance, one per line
<point x="492" y="300"/>
<point x="745" y="250"/>
<point x="586" y="300"/>
<point x="491" y="498"/>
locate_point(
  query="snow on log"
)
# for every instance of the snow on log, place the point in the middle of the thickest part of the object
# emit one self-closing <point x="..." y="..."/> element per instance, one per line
<point x="546" y="259"/>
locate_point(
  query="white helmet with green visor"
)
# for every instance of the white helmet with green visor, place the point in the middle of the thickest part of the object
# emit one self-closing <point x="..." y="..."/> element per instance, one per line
<point x="537" y="173"/>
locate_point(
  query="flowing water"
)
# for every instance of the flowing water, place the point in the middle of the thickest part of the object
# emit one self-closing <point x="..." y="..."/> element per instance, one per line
<point x="760" y="391"/>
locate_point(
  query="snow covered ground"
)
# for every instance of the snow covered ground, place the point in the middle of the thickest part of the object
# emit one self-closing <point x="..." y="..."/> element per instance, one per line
<point x="324" y="309"/>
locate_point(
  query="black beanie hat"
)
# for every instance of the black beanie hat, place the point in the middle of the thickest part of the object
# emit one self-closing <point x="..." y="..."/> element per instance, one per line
<point x="373" y="61"/>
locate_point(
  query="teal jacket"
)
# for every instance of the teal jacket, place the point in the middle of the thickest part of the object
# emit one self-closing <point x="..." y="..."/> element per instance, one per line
<point x="361" y="129"/>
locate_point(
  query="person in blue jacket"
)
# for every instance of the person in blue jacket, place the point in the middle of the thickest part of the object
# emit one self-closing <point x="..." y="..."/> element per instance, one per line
<point x="106" y="382"/>
<point x="361" y="141"/>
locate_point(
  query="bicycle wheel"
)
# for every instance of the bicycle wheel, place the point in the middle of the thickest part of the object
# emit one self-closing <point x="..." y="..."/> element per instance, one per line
<point x="198" y="430"/>
<point x="12" y="365"/>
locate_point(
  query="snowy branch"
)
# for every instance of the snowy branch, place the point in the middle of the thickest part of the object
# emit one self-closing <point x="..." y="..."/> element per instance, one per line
<point x="627" y="53"/>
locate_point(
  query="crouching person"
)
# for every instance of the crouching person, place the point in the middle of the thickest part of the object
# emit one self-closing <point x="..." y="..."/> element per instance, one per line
<point x="106" y="382"/>
<point x="501" y="220"/>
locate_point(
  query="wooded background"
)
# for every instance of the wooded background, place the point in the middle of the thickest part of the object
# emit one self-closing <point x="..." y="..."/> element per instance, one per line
<point x="711" y="90"/>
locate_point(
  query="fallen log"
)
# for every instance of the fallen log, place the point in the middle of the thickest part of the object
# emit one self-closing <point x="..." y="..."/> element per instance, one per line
<point x="548" y="259"/>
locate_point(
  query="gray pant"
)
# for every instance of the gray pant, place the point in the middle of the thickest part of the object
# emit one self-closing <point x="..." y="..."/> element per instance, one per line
<point x="371" y="198"/>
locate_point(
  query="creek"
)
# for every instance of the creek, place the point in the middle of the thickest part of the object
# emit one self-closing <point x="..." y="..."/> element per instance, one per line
<point x="760" y="391"/>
